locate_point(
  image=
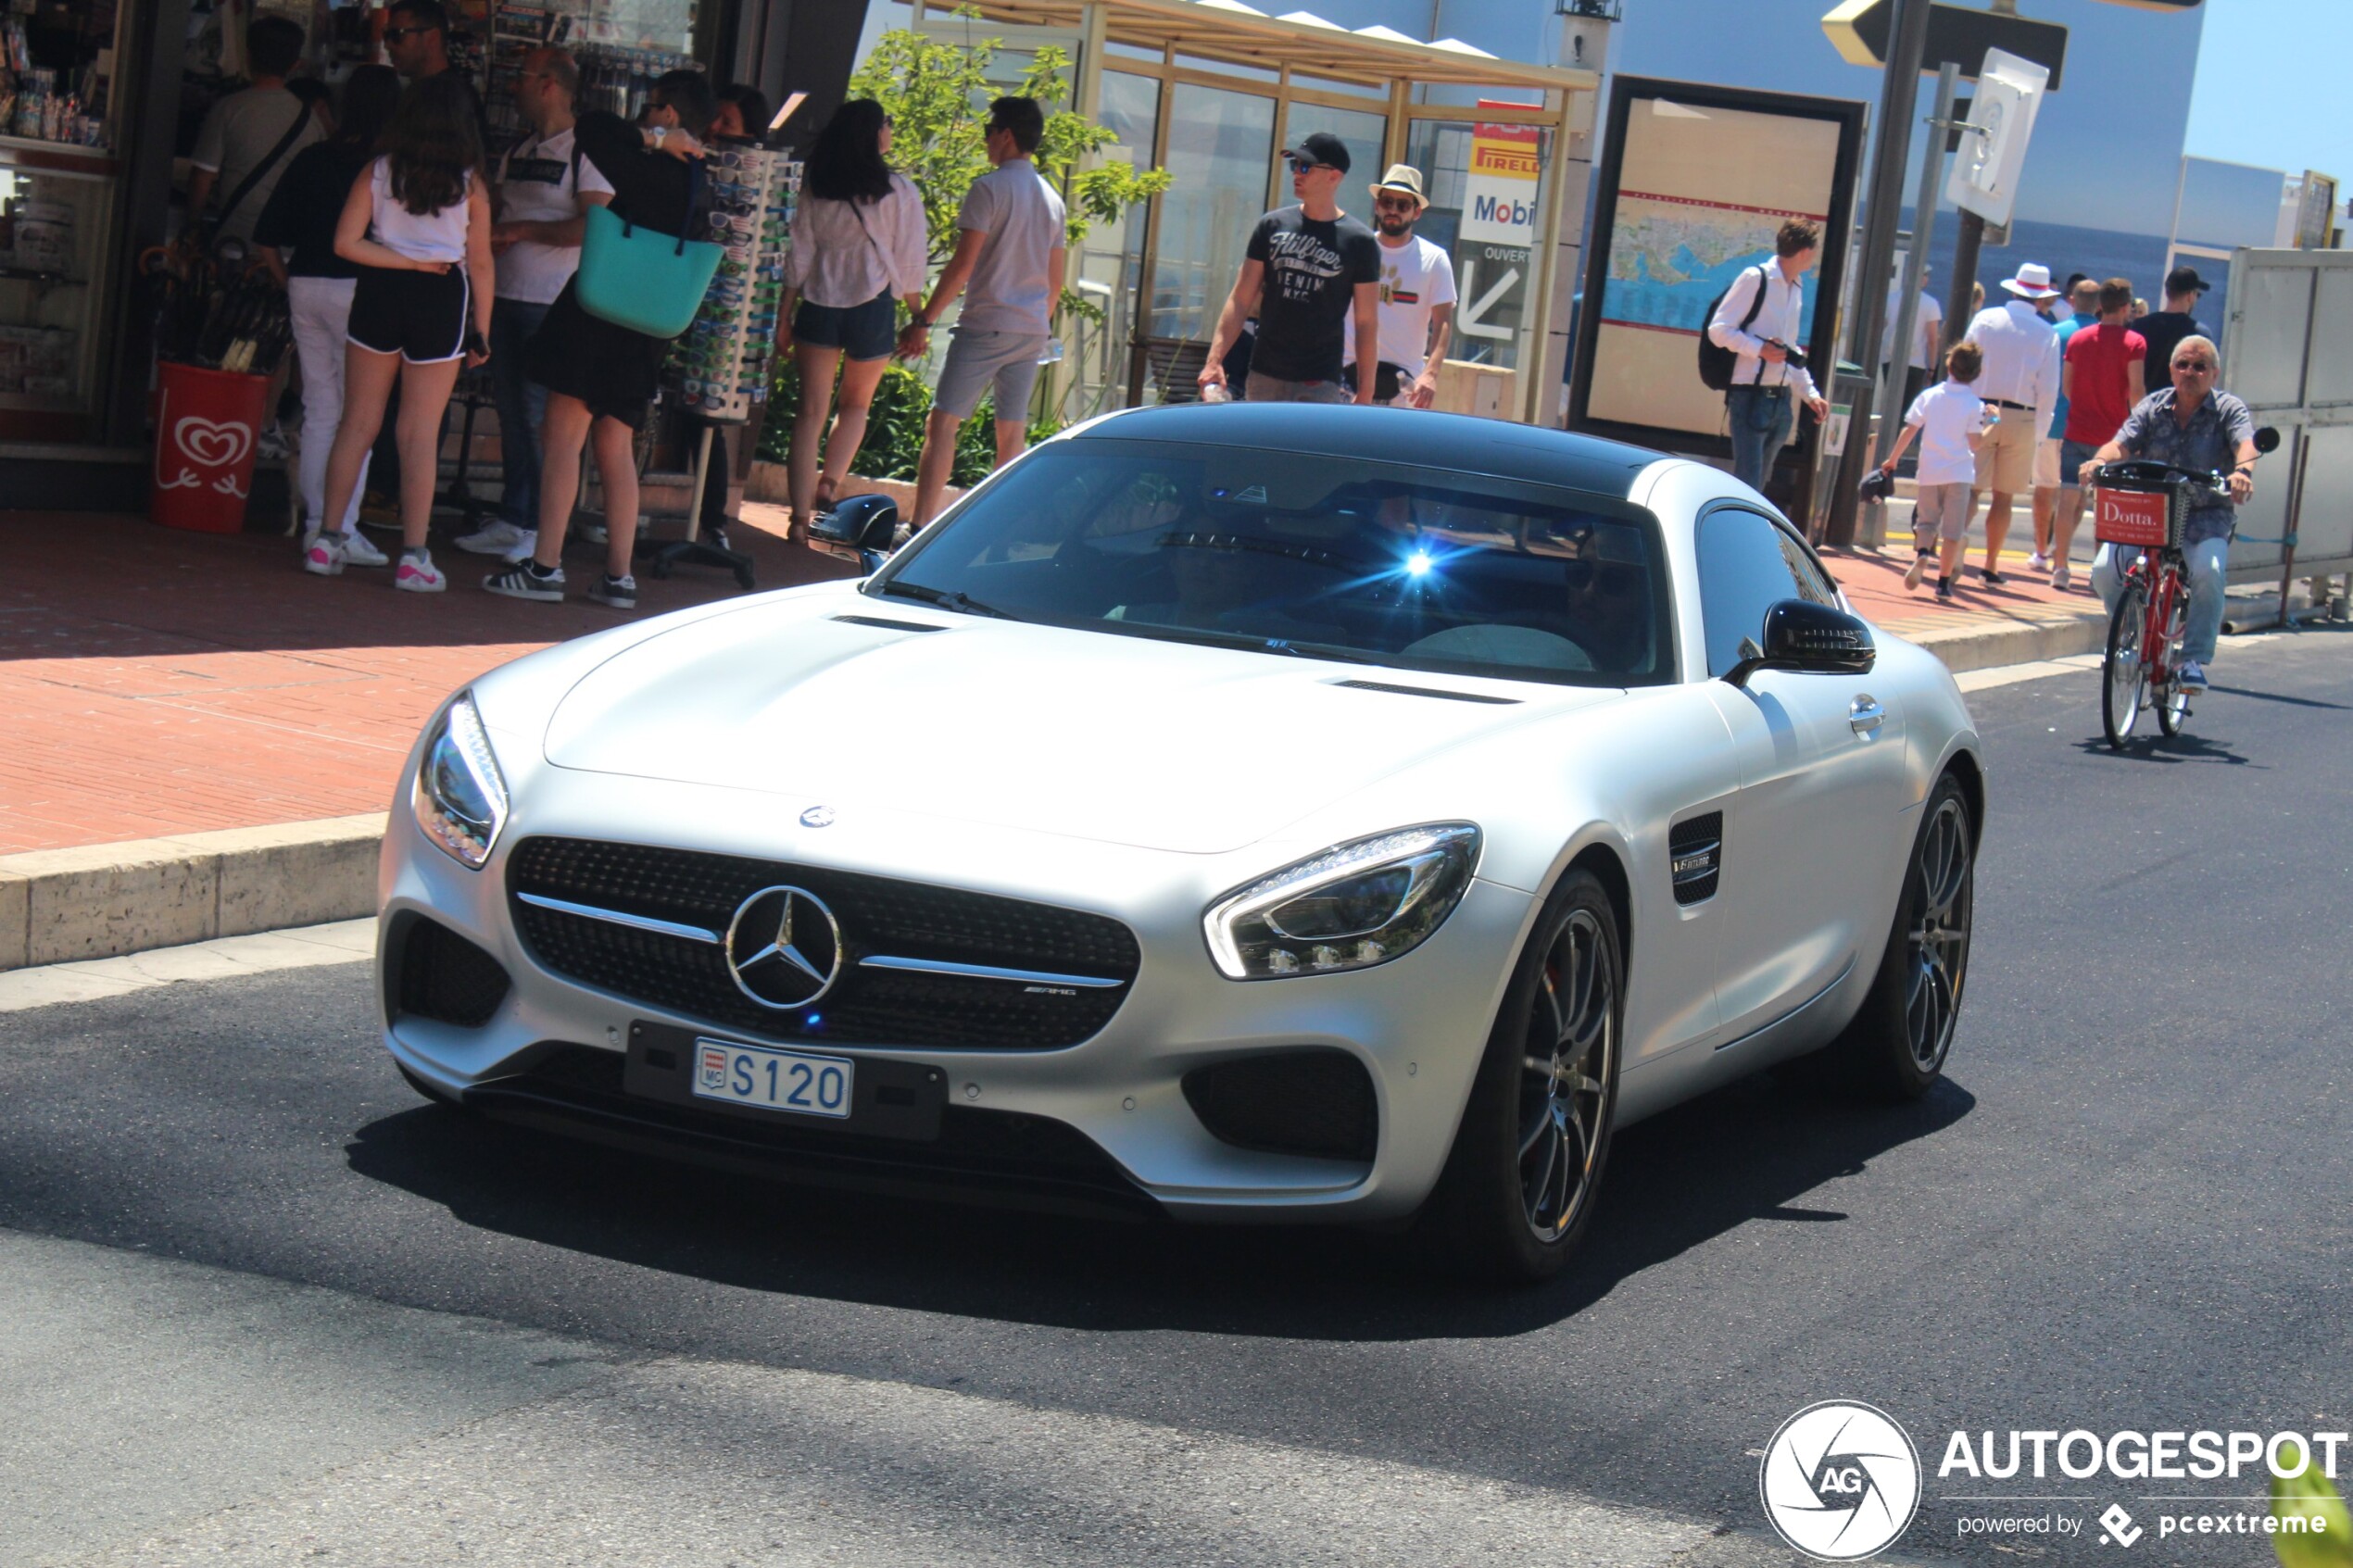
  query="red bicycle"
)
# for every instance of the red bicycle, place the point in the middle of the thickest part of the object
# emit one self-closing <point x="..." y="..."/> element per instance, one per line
<point x="2141" y="504"/>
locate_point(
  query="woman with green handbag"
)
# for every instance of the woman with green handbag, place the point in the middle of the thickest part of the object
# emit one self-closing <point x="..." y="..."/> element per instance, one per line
<point x="602" y="373"/>
<point x="859" y="242"/>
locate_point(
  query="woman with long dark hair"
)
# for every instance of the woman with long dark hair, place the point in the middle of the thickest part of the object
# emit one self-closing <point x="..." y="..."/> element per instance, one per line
<point x="301" y="219"/>
<point x="858" y="240"/>
<point x="602" y="376"/>
<point x="417" y="223"/>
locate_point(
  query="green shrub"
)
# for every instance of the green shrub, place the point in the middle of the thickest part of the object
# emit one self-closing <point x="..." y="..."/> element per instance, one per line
<point x="894" y="428"/>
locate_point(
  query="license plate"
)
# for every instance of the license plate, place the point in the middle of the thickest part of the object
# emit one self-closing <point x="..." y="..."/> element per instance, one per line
<point x="773" y="1080"/>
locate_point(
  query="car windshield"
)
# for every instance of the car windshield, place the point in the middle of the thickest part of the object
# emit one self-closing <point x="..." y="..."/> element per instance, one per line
<point x="1292" y="553"/>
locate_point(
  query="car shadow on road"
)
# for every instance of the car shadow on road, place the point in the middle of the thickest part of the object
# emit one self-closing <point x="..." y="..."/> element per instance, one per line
<point x="1748" y="1154"/>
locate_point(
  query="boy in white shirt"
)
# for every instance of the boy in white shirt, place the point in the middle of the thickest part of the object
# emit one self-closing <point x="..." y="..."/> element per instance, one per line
<point x="1950" y="420"/>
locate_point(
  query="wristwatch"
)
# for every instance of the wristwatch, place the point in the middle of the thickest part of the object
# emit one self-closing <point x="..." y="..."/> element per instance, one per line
<point x="659" y="131"/>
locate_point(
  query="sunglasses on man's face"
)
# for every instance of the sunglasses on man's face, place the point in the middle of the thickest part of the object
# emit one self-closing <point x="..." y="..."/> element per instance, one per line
<point x="2193" y="365"/>
<point x="1393" y="204"/>
<point x="394" y="34"/>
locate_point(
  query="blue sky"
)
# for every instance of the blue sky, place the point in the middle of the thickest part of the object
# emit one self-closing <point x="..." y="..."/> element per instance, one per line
<point x="2270" y="85"/>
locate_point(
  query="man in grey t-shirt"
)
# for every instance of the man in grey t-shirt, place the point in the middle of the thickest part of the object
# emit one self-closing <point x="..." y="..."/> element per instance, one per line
<point x="233" y="156"/>
<point x="1012" y="248"/>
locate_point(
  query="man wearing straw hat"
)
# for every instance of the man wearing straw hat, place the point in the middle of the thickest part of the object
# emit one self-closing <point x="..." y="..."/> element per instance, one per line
<point x="2020" y="383"/>
<point x="1416" y="297"/>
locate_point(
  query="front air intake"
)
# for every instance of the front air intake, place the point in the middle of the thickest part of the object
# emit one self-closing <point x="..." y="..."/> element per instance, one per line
<point x="440" y="976"/>
<point x="1316" y="1102"/>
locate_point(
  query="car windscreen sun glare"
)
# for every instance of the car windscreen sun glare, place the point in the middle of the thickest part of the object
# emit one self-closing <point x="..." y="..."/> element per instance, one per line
<point x="460" y="798"/>
<point x="1354" y="906"/>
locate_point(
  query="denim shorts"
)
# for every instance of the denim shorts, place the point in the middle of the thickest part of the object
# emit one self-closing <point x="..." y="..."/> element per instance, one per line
<point x="860" y="332"/>
<point x="2074" y="455"/>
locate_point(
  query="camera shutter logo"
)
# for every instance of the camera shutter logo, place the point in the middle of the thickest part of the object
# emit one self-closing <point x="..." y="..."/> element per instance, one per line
<point x="1840" y="1481"/>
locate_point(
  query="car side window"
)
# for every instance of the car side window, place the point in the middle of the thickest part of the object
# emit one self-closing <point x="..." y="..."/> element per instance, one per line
<point x="1743" y="571"/>
<point x="1813" y="583"/>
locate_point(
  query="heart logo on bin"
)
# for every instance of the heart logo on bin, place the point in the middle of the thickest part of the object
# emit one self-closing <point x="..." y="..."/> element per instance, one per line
<point x="210" y="444"/>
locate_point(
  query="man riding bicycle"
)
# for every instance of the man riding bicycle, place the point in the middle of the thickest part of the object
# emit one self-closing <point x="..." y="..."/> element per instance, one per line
<point x="2190" y="425"/>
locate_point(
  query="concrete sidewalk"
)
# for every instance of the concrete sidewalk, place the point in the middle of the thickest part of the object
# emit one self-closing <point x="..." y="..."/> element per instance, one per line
<point x="202" y="740"/>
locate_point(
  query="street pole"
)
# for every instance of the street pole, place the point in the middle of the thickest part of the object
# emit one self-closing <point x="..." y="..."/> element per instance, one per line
<point x="1908" y="311"/>
<point x="1956" y="321"/>
<point x="1899" y="96"/>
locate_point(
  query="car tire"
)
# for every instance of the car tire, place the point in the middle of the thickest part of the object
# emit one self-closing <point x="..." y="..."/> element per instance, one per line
<point x="1896" y="1046"/>
<point x="1500" y="1211"/>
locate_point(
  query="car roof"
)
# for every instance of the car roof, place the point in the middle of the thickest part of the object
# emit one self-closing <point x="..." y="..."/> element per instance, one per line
<point x="1421" y="437"/>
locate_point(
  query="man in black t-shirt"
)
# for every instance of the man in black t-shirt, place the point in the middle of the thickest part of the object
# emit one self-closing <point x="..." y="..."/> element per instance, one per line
<point x="1308" y="266"/>
<point x="2163" y="329"/>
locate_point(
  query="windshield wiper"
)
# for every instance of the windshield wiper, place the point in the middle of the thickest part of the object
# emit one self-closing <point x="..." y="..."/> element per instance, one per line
<point x="946" y="598"/>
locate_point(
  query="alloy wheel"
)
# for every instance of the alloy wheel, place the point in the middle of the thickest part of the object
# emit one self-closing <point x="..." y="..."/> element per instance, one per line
<point x="1936" y="949"/>
<point x="1568" y="1074"/>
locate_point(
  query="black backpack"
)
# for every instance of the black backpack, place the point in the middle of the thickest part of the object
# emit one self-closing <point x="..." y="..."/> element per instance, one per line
<point x="1716" y="361"/>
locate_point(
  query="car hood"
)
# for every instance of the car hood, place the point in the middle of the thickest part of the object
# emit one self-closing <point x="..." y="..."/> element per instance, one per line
<point x="1097" y="736"/>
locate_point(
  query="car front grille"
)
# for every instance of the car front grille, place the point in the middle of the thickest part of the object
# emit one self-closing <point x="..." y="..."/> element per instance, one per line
<point x="877" y="916"/>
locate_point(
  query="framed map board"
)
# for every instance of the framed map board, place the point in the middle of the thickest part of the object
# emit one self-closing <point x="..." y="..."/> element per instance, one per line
<point x="1693" y="181"/>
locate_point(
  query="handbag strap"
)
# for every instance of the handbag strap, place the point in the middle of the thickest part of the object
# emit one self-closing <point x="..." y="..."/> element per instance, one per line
<point x="260" y="171"/>
<point x="693" y="194"/>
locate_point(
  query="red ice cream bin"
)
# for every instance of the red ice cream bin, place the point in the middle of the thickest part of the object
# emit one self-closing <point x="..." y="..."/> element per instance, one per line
<point x="207" y="422"/>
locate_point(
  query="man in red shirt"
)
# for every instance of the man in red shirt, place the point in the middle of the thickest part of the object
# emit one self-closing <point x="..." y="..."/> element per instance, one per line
<point x="2102" y="380"/>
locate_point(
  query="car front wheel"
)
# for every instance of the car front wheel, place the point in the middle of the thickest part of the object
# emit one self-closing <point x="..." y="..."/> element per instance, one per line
<point x="1519" y="1189"/>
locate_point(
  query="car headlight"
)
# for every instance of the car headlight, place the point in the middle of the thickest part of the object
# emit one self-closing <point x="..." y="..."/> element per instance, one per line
<point x="1354" y="906"/>
<point x="460" y="799"/>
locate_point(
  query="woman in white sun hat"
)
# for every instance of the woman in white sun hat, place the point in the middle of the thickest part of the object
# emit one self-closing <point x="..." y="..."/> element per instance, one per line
<point x="2021" y="386"/>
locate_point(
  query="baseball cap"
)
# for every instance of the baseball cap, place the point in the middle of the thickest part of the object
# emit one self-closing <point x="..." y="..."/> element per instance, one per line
<point x="2184" y="280"/>
<point x="1319" y="149"/>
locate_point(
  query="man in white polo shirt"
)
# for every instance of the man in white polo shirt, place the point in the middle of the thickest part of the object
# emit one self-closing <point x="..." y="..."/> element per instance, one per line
<point x="2021" y="382"/>
<point x="1416" y="297"/>
<point x="1012" y="250"/>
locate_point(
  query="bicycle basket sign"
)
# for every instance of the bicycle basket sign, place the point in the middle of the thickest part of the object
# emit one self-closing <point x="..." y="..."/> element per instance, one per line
<point x="2133" y="517"/>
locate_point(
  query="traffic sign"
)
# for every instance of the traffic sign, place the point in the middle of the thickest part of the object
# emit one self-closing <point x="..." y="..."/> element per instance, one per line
<point x="1858" y="29"/>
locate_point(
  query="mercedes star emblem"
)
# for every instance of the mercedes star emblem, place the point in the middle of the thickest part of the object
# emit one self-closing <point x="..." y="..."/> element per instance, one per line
<point x="783" y="947"/>
<point x="817" y="817"/>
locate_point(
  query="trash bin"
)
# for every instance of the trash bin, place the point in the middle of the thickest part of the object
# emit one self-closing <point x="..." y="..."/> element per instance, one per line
<point x="207" y="422"/>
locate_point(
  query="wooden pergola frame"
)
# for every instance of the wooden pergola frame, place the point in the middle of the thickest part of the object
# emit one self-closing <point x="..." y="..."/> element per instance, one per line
<point x="1194" y="37"/>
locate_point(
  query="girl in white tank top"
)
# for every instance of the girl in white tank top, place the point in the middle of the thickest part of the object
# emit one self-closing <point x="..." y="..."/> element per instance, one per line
<point x="420" y="312"/>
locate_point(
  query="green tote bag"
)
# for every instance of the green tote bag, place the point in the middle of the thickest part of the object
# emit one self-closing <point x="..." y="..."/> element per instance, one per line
<point x="636" y="278"/>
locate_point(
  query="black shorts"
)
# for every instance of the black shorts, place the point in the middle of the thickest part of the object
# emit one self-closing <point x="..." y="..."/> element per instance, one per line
<point x="615" y="371"/>
<point x="422" y="316"/>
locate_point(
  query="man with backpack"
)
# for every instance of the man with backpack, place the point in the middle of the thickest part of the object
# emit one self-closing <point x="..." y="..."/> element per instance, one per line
<point x="1759" y="323"/>
<point x="249" y="138"/>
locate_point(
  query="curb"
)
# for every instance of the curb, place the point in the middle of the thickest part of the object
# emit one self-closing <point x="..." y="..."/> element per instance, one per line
<point x="102" y="900"/>
<point x="105" y="900"/>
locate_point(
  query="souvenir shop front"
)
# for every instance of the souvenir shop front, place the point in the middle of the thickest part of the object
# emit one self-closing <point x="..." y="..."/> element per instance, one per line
<point x="100" y="102"/>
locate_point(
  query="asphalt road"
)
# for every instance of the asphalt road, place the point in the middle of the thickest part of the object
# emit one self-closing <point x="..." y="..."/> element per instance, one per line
<point x="241" y="1265"/>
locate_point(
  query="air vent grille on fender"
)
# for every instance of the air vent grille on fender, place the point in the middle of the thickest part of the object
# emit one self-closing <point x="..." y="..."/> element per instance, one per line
<point x="1695" y="855"/>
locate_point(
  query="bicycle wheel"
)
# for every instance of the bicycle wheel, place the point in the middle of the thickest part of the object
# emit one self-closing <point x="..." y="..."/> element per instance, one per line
<point x="2123" y="675"/>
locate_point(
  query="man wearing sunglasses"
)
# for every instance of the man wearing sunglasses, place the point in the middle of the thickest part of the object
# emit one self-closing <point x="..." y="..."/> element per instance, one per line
<point x="1416" y="297"/>
<point x="1309" y="268"/>
<point x="2191" y="424"/>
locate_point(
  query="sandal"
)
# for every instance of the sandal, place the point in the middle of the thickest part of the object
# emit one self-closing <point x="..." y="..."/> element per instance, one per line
<point x="824" y="501"/>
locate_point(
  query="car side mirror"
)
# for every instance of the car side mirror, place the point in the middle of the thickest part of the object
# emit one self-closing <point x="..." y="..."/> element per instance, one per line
<point x="2267" y="440"/>
<point x="1813" y="639"/>
<point x="860" y="530"/>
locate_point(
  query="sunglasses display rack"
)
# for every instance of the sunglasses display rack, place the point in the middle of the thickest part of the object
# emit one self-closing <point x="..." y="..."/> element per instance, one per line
<point x="719" y="369"/>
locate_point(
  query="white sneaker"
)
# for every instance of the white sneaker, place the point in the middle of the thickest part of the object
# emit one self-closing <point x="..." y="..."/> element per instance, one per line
<point x="493" y="538"/>
<point x="358" y="551"/>
<point x="594" y="532"/>
<point x="526" y="545"/>
<point x="419" y="575"/>
<point x="2061" y="579"/>
<point x="2038" y="561"/>
<point x="322" y="554"/>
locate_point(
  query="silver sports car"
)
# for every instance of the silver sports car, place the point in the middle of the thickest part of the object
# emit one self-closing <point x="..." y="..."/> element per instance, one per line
<point x="1230" y="812"/>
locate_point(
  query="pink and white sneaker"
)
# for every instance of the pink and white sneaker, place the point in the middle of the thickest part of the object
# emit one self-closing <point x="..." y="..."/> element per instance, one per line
<point x="323" y="555"/>
<point x="419" y="575"/>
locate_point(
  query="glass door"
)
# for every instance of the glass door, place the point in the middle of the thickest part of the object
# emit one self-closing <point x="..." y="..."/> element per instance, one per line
<point x="1109" y="274"/>
<point x="1221" y="146"/>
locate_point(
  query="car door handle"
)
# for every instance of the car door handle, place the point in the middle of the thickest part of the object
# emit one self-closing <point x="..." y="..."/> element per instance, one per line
<point x="1865" y="714"/>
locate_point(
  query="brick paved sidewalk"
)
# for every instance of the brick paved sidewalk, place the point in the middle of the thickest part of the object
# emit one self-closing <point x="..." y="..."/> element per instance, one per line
<point x="1874" y="584"/>
<point x="156" y="683"/>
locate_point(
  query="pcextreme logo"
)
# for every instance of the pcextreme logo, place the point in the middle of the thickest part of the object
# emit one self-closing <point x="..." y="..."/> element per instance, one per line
<point x="1839" y="1481"/>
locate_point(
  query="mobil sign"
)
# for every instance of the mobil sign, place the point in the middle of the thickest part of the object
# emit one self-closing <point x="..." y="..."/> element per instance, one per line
<point x="1499" y="191"/>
